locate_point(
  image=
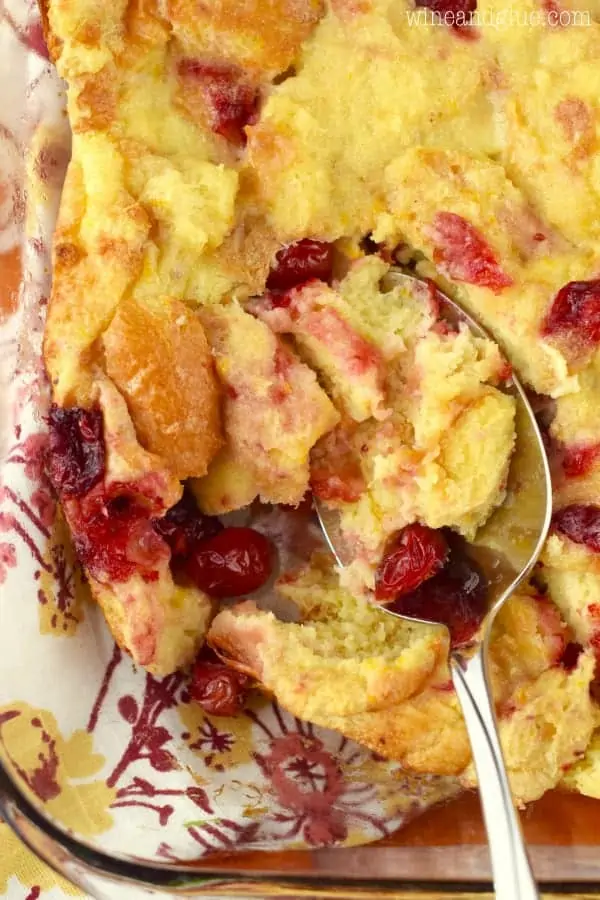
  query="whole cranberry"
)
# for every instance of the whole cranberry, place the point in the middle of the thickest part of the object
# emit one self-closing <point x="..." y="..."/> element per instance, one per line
<point x="300" y="262"/>
<point x="576" y="311"/>
<point x="456" y="596"/>
<point x="77" y="456"/>
<point x="580" y="522"/>
<point x="218" y="689"/>
<point x="415" y="554"/>
<point x="183" y="526"/>
<point x="235" y="562"/>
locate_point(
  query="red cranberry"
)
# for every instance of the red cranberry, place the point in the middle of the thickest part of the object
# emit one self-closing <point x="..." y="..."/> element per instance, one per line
<point x="184" y="526"/>
<point x="276" y="299"/>
<point x="553" y="9"/>
<point x="415" y="554"/>
<point x="235" y="562"/>
<point x="580" y="523"/>
<point x="460" y="12"/>
<point x="456" y="596"/>
<point x="76" y="458"/>
<point x="464" y="7"/>
<point x="570" y="656"/>
<point x="576" y="311"/>
<point x="231" y="100"/>
<point x="114" y="536"/>
<point x="301" y="262"/>
<point x="578" y="461"/>
<point x="462" y="251"/>
<point x="219" y="690"/>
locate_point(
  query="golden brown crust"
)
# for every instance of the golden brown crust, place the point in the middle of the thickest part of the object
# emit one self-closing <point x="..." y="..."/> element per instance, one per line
<point x="159" y="358"/>
<point x="160" y="400"/>
<point x="156" y="204"/>
<point x="53" y="42"/>
<point x="417" y="722"/>
<point x="260" y="35"/>
<point x="405" y="733"/>
<point x="150" y="627"/>
<point x="546" y="714"/>
<point x="247" y="253"/>
<point x="320" y="688"/>
<point x="97" y="101"/>
<point x="397" y="730"/>
<point x="402" y="732"/>
<point x="102" y="269"/>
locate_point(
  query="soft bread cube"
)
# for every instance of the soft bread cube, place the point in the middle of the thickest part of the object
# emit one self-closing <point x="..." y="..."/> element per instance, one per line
<point x="427" y="434"/>
<point x="345" y="657"/>
<point x="274" y="412"/>
<point x="158" y="356"/>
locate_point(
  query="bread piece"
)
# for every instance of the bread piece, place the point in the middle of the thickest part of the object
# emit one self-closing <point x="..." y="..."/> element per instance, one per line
<point x="429" y="436"/>
<point x="262" y="35"/>
<point x="274" y="413"/>
<point x="160" y="623"/>
<point x="158" y="356"/>
<point x="384" y="682"/>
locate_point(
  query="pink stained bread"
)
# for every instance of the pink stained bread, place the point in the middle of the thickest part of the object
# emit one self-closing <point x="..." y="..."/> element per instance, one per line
<point x="274" y="412"/>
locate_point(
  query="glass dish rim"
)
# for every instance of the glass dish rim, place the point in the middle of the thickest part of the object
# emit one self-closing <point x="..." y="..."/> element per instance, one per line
<point x="577" y="868"/>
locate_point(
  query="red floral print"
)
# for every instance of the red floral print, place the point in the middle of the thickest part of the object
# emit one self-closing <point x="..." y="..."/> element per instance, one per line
<point x="8" y="559"/>
<point x="43" y="780"/>
<point x="148" y="739"/>
<point x="31" y="453"/>
<point x="44" y="504"/>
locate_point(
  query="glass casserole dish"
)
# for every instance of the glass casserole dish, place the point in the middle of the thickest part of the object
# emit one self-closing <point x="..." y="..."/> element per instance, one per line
<point x="118" y="759"/>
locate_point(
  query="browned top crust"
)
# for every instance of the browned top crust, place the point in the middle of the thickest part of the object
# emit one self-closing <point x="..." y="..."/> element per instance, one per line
<point x="160" y="360"/>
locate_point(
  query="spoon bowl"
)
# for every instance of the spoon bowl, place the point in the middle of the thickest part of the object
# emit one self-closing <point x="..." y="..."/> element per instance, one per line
<point x="506" y="548"/>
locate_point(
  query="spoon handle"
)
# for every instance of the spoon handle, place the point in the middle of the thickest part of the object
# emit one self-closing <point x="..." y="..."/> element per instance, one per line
<point x="513" y="878"/>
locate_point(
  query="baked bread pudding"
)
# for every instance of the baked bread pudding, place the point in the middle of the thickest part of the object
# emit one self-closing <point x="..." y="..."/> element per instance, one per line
<point x="223" y="333"/>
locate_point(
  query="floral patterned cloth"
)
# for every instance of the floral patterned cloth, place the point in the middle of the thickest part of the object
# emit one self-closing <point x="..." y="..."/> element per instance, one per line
<point x="116" y="755"/>
<point x="24" y="877"/>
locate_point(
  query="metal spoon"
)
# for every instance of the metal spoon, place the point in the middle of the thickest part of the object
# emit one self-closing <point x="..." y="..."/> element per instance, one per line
<point x="516" y="533"/>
